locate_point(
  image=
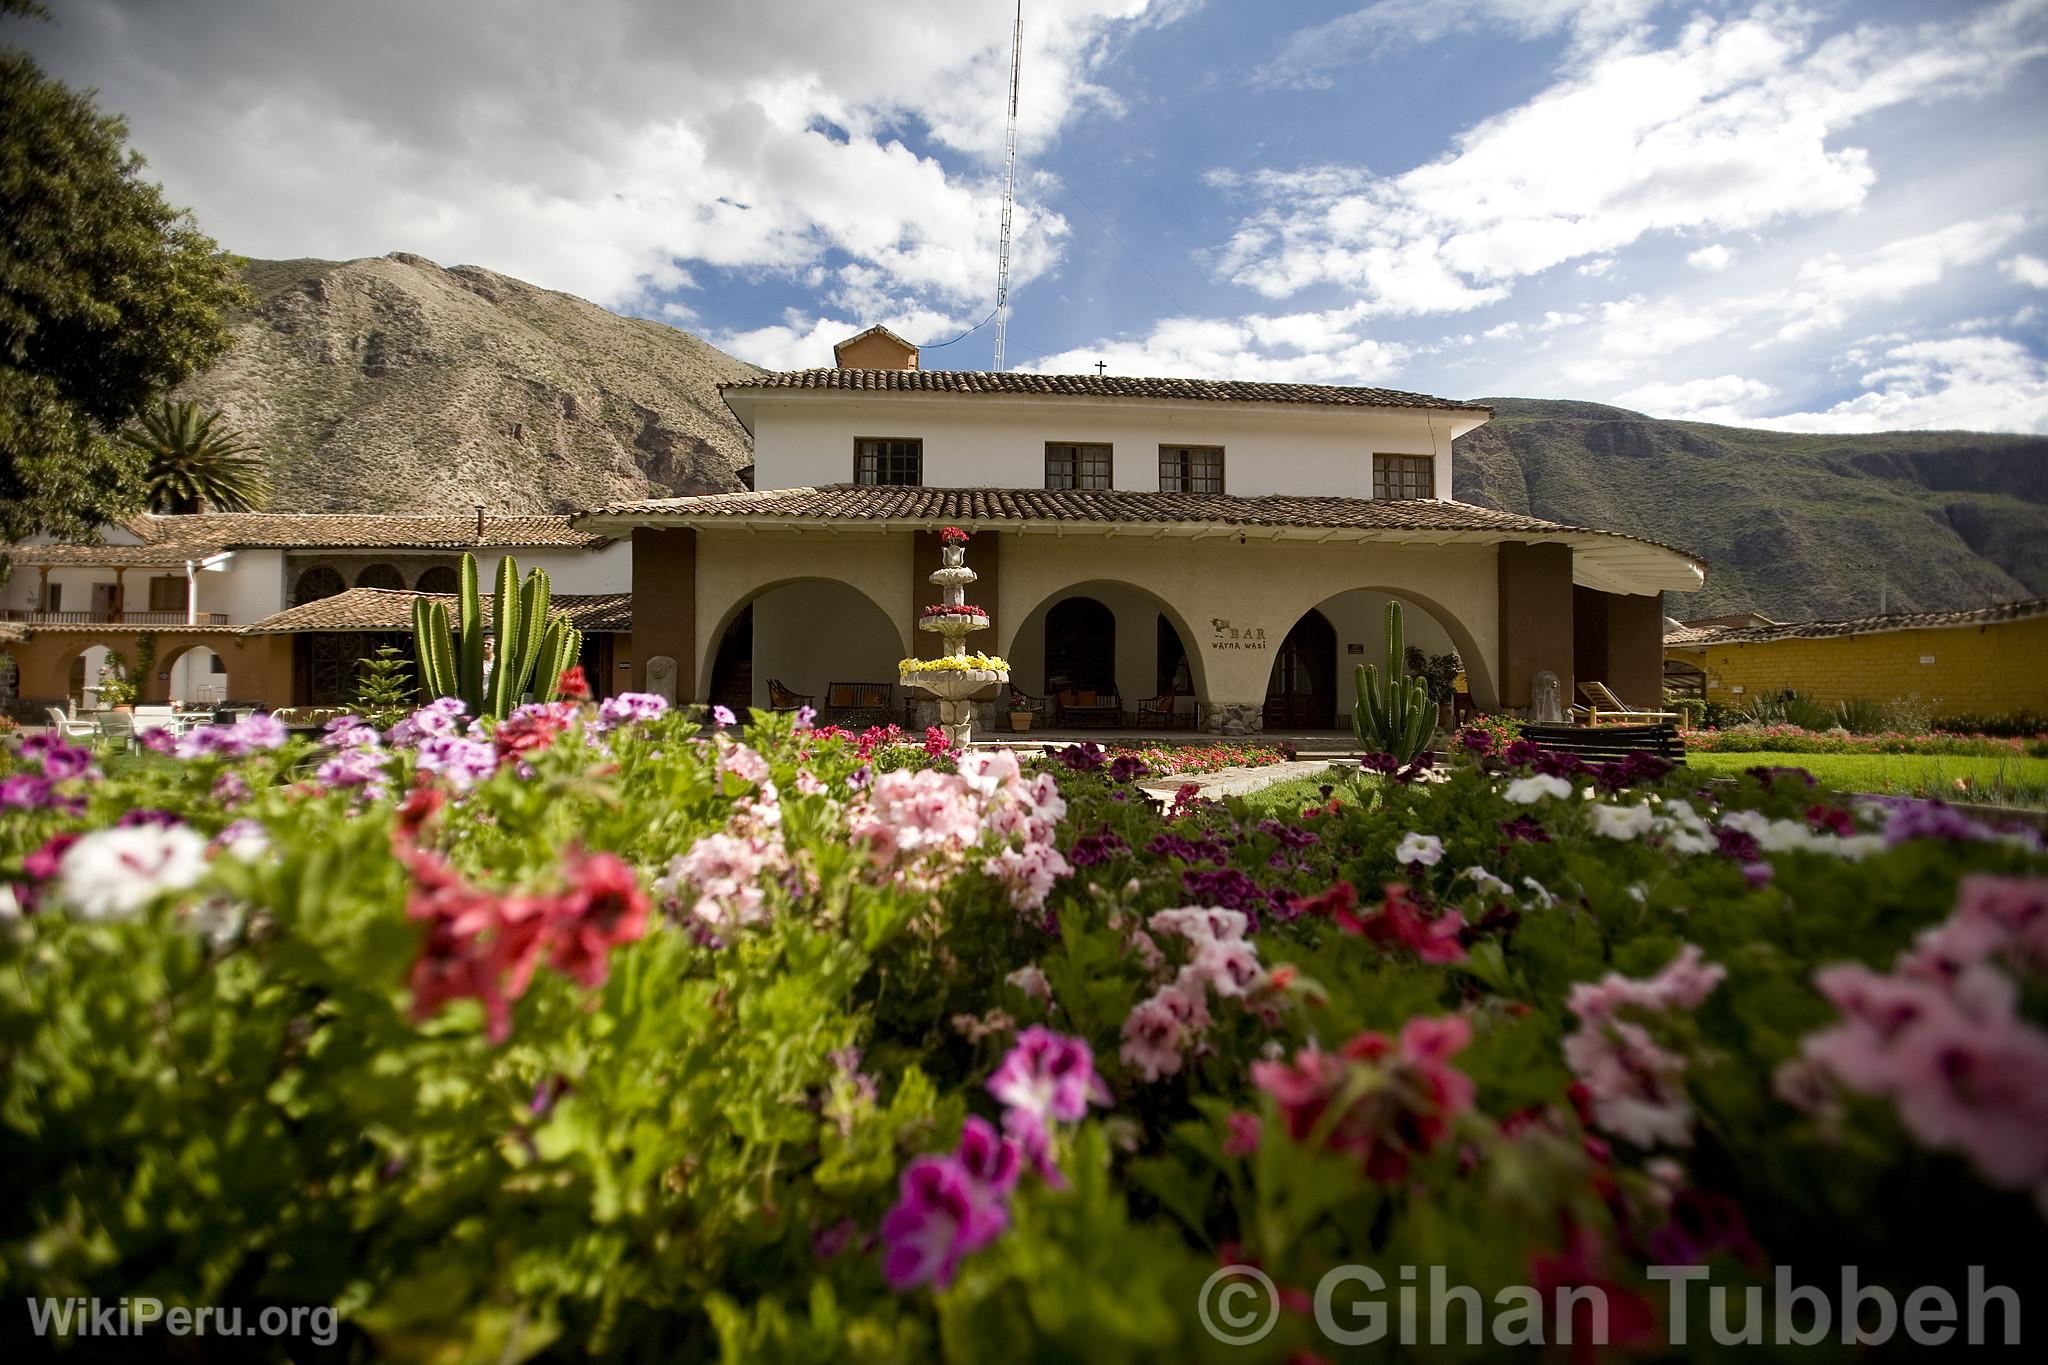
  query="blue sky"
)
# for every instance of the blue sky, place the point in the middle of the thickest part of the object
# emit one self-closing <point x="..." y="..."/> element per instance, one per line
<point x="1823" y="217"/>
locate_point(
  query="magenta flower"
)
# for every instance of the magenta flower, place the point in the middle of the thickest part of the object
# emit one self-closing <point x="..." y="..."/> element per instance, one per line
<point x="988" y="1156"/>
<point x="941" y="1213"/>
<point x="722" y="715"/>
<point x="1048" y="1076"/>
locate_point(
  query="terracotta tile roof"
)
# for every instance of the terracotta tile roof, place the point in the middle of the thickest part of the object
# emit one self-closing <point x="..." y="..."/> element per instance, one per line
<point x="1095" y="386"/>
<point x="861" y="502"/>
<point x="387" y="609"/>
<point x="173" y="540"/>
<point x="11" y="634"/>
<point x="1861" y="625"/>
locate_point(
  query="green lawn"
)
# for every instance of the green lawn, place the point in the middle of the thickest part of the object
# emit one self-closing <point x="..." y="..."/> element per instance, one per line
<point x="1994" y="781"/>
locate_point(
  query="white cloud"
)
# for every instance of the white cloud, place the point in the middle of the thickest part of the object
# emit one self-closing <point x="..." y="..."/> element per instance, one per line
<point x="2028" y="270"/>
<point x="1310" y="57"/>
<point x="606" y="148"/>
<point x="1712" y="259"/>
<point x="1831" y="286"/>
<point x="1733" y="125"/>
<point x="1724" y="398"/>
<point x="1974" y="383"/>
<point x="1256" y="347"/>
<point x="1597" y="267"/>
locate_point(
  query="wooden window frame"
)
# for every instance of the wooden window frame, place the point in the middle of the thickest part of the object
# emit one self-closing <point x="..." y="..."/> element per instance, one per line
<point x="859" y="454"/>
<point x="1077" y="459"/>
<point x="1183" y="466"/>
<point x="1391" y="483"/>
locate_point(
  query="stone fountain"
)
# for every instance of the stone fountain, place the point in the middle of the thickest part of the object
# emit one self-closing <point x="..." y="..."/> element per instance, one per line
<point x="958" y="687"/>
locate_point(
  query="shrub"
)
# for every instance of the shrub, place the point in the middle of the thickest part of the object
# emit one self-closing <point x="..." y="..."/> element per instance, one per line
<point x="585" y="1033"/>
<point x="1860" y="716"/>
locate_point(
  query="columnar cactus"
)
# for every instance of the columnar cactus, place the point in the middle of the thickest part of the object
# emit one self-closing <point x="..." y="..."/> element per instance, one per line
<point x="532" y="647"/>
<point x="1395" y="716"/>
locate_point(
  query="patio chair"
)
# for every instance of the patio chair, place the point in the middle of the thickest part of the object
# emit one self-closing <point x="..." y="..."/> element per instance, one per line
<point x="71" y="727"/>
<point x="781" y="698"/>
<point x="118" y="726"/>
<point x="1603" y="705"/>
<point x="1158" y="711"/>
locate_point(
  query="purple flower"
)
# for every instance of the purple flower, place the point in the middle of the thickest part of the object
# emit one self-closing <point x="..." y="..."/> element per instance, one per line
<point x="1230" y="889"/>
<point x="230" y="789"/>
<point x="1127" y="768"/>
<point x="350" y="732"/>
<point x="941" y="1213"/>
<point x="463" y="762"/>
<point x="1290" y="836"/>
<point x="805" y="714"/>
<point x="24" y="791"/>
<point x="62" y="761"/>
<point x="1520" y="752"/>
<point x="1911" y="819"/>
<point x="1738" y="844"/>
<point x="987" y="1155"/>
<point x="357" y="768"/>
<point x="1770" y="776"/>
<point x="1092" y="850"/>
<point x="1525" y="829"/>
<point x="161" y="819"/>
<point x="438" y="719"/>
<point x="252" y="732"/>
<point x="1083" y="758"/>
<point x="1475" y="742"/>
<point x="632" y="708"/>
<point x="1047" y="1076"/>
<point x="1170" y="845"/>
<point x="158" y="740"/>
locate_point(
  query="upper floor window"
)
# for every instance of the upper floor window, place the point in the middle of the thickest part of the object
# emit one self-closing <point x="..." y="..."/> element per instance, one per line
<point x="167" y="593"/>
<point x="1191" y="469"/>
<point x="1399" y="477"/>
<point x="889" y="460"/>
<point x="1076" y="466"/>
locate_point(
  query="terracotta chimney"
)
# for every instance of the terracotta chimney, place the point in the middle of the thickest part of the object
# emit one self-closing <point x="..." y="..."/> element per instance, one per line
<point x="479" y="523"/>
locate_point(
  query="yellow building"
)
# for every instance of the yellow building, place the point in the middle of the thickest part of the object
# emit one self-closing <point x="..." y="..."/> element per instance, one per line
<point x="1988" y="661"/>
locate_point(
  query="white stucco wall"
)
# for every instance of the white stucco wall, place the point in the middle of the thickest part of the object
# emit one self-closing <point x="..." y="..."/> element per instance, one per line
<point x="813" y="634"/>
<point x="249" y="588"/>
<point x="573" y="571"/>
<point x="733" y="568"/>
<point x="1000" y="443"/>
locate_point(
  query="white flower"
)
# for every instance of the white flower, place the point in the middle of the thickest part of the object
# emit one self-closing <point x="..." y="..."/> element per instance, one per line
<point x="1622" y="822"/>
<point x="1426" y="849"/>
<point x="10" y="908"/>
<point x="1527" y="791"/>
<point x="1485" y="882"/>
<point x="1032" y="982"/>
<point x="1539" y="893"/>
<point x="115" y="873"/>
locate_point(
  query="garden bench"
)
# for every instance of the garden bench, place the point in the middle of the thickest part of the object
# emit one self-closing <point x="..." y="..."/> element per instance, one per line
<point x="1607" y="743"/>
<point x="859" y="703"/>
<point x="1085" y="706"/>
<point x="1160" y="712"/>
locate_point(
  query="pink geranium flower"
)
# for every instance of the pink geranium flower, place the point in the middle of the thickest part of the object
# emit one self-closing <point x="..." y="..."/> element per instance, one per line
<point x="941" y="1214"/>
<point x="1387" y="1125"/>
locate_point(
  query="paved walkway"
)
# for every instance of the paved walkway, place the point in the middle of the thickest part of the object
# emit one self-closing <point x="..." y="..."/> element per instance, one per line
<point x="1233" y="781"/>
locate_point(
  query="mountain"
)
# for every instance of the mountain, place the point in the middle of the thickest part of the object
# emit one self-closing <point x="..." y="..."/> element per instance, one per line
<point x="393" y="384"/>
<point x="1795" y="526"/>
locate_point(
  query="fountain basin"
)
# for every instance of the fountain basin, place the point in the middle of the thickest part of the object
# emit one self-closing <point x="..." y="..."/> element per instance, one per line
<point x="954" y="622"/>
<point x="958" y="684"/>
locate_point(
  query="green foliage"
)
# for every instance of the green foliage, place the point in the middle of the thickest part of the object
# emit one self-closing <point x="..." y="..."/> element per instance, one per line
<point x="231" y="1097"/>
<point x="1860" y="716"/>
<point x="384" y="687"/>
<point x="1438" y="671"/>
<point x="194" y="467"/>
<point x="1395" y="716"/>
<point x="531" y="648"/>
<point x="108" y="298"/>
<point x="1692" y="711"/>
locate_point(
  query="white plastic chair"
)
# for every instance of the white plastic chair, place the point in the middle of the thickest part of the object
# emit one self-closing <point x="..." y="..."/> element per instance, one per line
<point x="70" y="727"/>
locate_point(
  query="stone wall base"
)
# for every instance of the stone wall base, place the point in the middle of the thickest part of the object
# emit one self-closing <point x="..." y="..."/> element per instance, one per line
<point x="1232" y="718"/>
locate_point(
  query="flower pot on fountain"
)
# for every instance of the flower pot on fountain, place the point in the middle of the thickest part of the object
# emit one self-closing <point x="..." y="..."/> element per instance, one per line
<point x="956" y="679"/>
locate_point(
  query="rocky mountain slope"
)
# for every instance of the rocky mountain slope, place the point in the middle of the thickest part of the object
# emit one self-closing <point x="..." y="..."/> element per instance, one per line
<point x="1794" y="526"/>
<point x="393" y="384"/>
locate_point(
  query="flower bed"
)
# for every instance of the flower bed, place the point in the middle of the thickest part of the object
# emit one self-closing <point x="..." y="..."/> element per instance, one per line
<point x="587" y="1033"/>
<point x="1175" y="760"/>
<point x="1790" y="739"/>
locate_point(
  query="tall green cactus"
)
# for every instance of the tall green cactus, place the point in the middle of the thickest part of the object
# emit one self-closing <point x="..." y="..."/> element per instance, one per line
<point x="532" y="647"/>
<point x="1395" y="716"/>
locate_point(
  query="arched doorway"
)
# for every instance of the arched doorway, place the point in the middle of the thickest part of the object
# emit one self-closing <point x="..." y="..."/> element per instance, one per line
<point x="315" y="583"/>
<point x="384" y="576"/>
<point x="1080" y="647"/>
<point x="813" y="636"/>
<point x="1301" y="694"/>
<point x="441" y="579"/>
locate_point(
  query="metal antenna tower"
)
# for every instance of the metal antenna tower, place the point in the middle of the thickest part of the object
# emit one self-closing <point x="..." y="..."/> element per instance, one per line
<point x="1009" y="192"/>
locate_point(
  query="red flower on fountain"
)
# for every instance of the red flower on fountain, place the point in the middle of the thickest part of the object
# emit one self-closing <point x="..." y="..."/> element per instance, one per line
<point x="952" y="535"/>
<point x="947" y="609"/>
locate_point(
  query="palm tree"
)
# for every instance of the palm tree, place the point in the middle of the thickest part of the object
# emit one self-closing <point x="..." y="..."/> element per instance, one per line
<point x="194" y="466"/>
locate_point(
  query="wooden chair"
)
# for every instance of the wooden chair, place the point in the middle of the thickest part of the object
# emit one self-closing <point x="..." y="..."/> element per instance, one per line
<point x="781" y="698"/>
<point x="118" y="726"/>
<point x="859" y="696"/>
<point x="1603" y="705"/>
<point x="1158" y="711"/>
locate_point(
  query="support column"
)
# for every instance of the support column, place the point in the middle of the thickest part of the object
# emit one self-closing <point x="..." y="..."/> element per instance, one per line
<point x="1535" y="620"/>
<point x="665" y="611"/>
<point x="42" y="587"/>
<point x="1631" y="639"/>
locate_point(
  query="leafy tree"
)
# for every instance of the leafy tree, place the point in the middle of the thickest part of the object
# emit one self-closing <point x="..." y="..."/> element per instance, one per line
<point x="384" y="689"/>
<point x="109" y="296"/>
<point x="195" y="465"/>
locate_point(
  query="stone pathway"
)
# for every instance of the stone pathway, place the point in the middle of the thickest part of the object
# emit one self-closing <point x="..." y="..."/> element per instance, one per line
<point x="1233" y="781"/>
